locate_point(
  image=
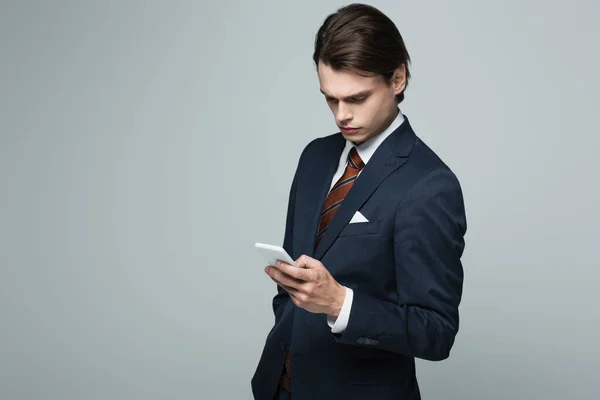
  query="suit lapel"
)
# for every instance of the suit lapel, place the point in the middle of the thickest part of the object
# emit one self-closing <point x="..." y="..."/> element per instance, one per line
<point x="389" y="156"/>
<point x="315" y="187"/>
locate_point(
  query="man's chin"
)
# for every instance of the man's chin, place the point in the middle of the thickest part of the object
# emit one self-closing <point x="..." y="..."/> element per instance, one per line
<point x="356" y="139"/>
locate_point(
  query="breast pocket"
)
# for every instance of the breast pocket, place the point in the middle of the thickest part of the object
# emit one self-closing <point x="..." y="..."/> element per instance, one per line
<point x="361" y="228"/>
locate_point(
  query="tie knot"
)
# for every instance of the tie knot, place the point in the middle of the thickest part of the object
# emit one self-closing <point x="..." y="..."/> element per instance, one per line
<point x="354" y="160"/>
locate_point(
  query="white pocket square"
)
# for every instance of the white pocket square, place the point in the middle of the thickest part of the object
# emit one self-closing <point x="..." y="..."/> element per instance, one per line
<point x="358" y="217"/>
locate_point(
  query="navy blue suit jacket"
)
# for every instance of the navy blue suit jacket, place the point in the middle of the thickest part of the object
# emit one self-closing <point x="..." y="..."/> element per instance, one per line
<point x="403" y="266"/>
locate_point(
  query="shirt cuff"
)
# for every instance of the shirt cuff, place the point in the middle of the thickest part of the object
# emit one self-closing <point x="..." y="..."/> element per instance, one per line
<point x="339" y="325"/>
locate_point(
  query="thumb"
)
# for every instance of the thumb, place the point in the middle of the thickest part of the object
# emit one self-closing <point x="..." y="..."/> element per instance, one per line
<point x="305" y="261"/>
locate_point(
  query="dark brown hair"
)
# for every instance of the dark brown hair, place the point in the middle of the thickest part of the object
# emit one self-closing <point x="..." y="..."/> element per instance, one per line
<point x="359" y="37"/>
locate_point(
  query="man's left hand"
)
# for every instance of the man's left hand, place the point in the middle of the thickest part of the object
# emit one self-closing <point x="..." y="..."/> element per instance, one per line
<point x="310" y="285"/>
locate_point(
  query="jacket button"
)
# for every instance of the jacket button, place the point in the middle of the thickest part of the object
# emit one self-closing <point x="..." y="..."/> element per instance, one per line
<point x="283" y="347"/>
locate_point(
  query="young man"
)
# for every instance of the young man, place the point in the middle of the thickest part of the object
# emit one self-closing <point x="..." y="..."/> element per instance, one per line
<point x="376" y="222"/>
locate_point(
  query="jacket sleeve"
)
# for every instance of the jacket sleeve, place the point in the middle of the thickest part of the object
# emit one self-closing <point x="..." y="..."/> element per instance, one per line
<point x="282" y="296"/>
<point x="429" y="229"/>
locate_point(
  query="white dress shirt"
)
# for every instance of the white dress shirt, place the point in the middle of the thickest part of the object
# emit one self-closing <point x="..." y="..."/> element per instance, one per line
<point x="365" y="151"/>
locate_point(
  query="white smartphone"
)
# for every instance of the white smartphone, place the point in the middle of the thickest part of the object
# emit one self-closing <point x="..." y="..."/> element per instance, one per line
<point x="273" y="253"/>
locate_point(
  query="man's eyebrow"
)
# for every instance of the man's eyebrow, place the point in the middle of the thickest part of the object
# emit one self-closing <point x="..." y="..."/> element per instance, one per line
<point x="363" y="93"/>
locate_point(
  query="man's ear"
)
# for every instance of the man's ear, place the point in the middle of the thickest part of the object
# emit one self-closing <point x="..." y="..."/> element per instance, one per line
<point x="399" y="79"/>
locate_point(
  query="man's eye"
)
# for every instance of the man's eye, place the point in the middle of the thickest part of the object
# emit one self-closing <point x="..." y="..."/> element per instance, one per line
<point x="330" y="99"/>
<point x="358" y="100"/>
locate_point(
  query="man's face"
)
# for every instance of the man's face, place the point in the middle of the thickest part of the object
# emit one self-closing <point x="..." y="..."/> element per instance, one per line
<point x="367" y="104"/>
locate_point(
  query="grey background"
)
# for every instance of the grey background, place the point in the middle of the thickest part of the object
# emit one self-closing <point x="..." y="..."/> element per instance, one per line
<point x="145" y="146"/>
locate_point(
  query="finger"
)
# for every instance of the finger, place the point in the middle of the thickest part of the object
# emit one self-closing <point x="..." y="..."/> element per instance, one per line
<point x="291" y="291"/>
<point x="295" y="294"/>
<point x="301" y="261"/>
<point x="297" y="273"/>
<point x="307" y="262"/>
<point x="283" y="278"/>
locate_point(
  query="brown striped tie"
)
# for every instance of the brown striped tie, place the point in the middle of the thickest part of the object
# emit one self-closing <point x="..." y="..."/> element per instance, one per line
<point x="339" y="191"/>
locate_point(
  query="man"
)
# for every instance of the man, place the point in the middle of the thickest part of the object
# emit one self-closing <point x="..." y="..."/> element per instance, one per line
<point x="376" y="222"/>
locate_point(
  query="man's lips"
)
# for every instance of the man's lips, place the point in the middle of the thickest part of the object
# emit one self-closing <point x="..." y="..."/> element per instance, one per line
<point x="348" y="129"/>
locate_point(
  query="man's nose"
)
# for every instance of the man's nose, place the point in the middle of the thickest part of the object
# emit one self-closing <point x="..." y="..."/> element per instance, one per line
<point x="344" y="114"/>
